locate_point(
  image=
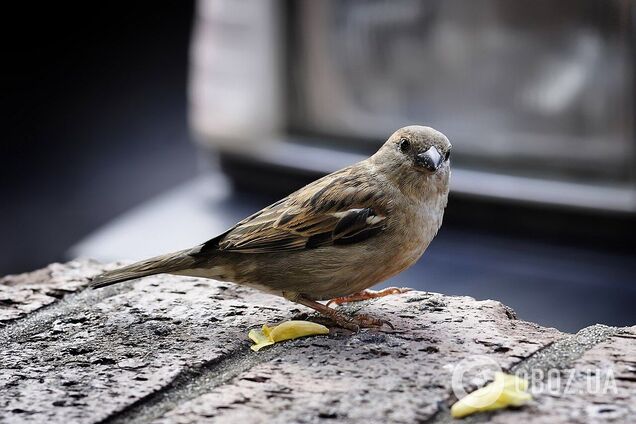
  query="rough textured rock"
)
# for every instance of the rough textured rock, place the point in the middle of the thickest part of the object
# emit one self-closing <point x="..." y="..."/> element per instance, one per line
<point x="598" y="387"/>
<point x="174" y="349"/>
<point x="24" y="293"/>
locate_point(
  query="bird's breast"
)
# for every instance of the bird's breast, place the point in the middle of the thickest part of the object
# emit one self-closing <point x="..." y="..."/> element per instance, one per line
<point x="417" y="228"/>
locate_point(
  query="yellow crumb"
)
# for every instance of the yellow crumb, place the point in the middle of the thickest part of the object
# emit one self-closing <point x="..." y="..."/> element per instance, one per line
<point x="286" y="331"/>
<point x="506" y="390"/>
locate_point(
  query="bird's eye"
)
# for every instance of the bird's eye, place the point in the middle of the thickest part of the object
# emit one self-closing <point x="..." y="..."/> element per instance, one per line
<point x="447" y="155"/>
<point x="405" y="145"/>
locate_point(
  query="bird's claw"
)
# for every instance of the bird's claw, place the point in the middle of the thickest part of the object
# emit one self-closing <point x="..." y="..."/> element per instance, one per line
<point x="360" y="321"/>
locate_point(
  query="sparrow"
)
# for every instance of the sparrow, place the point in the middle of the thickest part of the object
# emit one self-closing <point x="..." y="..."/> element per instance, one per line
<point x="333" y="238"/>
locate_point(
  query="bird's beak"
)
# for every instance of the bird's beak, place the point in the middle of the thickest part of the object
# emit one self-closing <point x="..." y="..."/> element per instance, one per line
<point x="430" y="159"/>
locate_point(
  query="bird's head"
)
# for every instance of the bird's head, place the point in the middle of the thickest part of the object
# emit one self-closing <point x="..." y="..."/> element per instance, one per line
<point x="422" y="148"/>
<point x="416" y="154"/>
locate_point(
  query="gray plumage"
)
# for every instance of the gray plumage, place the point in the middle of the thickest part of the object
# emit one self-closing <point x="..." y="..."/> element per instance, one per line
<point x="172" y="262"/>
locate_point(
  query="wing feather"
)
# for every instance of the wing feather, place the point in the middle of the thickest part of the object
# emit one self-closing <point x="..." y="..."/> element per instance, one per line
<point x="338" y="209"/>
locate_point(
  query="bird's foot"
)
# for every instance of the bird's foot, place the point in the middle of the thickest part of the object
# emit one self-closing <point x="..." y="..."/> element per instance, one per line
<point x="353" y="323"/>
<point x="368" y="294"/>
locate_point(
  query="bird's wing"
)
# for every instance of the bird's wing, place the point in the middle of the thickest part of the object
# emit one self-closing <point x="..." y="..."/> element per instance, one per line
<point x="342" y="209"/>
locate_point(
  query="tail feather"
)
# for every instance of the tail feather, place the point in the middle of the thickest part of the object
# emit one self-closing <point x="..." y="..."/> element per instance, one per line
<point x="169" y="263"/>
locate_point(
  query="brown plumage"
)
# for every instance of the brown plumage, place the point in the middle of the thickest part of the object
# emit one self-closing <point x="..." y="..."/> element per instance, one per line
<point x="336" y="236"/>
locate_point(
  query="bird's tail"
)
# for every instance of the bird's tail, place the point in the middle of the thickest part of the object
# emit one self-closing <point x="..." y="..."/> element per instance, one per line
<point x="170" y="263"/>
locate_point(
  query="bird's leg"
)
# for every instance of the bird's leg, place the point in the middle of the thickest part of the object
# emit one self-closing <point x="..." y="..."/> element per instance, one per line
<point x="344" y="321"/>
<point x="367" y="294"/>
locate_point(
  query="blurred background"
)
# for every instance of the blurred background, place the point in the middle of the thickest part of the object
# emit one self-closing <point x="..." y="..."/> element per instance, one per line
<point x="131" y="129"/>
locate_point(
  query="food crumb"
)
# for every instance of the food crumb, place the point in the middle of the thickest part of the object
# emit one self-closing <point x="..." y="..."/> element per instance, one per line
<point x="288" y="330"/>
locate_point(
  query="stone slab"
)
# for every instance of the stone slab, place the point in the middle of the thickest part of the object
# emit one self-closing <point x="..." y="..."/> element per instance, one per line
<point x="170" y="349"/>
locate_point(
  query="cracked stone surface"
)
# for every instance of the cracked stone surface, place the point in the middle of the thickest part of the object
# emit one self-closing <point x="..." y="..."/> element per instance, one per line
<point x="24" y="293"/>
<point x="169" y="349"/>
<point x="598" y="387"/>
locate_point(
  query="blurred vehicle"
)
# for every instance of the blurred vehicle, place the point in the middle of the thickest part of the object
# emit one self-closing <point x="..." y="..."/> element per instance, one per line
<point x="536" y="97"/>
